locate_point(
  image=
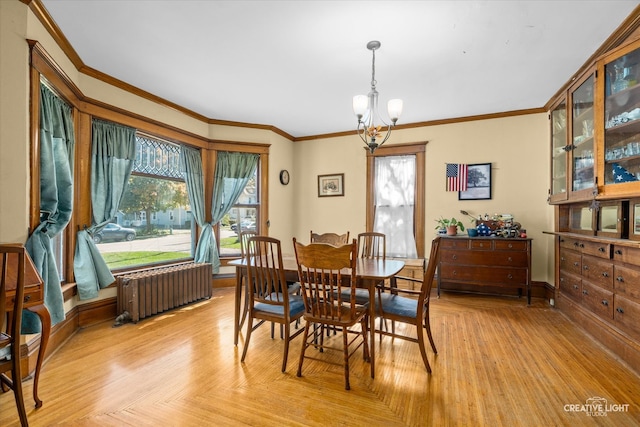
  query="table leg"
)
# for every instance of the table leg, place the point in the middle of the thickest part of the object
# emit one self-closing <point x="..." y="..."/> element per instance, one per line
<point x="238" y="297"/>
<point x="372" y="325"/>
<point x="45" y="317"/>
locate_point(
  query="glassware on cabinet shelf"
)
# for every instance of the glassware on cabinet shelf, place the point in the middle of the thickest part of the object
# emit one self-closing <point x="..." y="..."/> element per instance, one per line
<point x="582" y="136"/>
<point x="622" y="120"/>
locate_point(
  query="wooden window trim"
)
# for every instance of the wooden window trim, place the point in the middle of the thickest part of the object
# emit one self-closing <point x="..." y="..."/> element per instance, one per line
<point x="418" y="149"/>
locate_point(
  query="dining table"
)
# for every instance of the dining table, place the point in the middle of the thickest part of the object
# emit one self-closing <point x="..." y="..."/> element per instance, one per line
<point x="369" y="272"/>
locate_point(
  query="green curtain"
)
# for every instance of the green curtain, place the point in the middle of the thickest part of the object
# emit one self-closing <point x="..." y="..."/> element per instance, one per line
<point x="57" y="145"/>
<point x="112" y="156"/>
<point x="233" y="171"/>
<point x="191" y="167"/>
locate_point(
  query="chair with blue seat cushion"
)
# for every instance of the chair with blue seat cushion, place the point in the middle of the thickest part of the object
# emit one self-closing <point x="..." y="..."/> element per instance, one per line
<point x="411" y="306"/>
<point x="269" y="297"/>
<point x="324" y="271"/>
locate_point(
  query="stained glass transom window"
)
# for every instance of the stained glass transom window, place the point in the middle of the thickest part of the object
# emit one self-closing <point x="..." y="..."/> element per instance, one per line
<point x="157" y="157"/>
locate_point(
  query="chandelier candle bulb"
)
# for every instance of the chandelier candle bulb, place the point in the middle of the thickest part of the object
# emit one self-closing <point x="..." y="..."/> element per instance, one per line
<point x="394" y="108"/>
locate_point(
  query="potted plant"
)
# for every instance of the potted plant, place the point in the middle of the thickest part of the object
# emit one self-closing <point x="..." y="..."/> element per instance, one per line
<point x="450" y="226"/>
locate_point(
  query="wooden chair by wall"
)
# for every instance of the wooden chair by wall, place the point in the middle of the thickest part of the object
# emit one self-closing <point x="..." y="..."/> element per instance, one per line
<point x="372" y="245"/>
<point x="322" y="283"/>
<point x="269" y="295"/>
<point x="12" y="258"/>
<point x="243" y="237"/>
<point x="407" y="309"/>
<point x="330" y="238"/>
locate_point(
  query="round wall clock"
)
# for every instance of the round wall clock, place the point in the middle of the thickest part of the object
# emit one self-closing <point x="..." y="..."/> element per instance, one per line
<point x="284" y="177"/>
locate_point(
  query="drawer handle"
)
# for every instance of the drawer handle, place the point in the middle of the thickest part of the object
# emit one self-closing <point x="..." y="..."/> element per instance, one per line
<point x="27" y="298"/>
<point x="576" y="263"/>
<point x="620" y="310"/>
<point x="585" y="292"/>
<point x="620" y="279"/>
<point x="510" y="259"/>
<point x="455" y="273"/>
<point x="585" y="267"/>
<point x="510" y="245"/>
<point x="618" y="252"/>
<point x="605" y="274"/>
<point x="601" y="249"/>
<point x="509" y="276"/>
<point x="575" y="244"/>
<point x="605" y="302"/>
<point x="454" y="256"/>
<point x="582" y="245"/>
<point x="575" y="287"/>
<point x="562" y="258"/>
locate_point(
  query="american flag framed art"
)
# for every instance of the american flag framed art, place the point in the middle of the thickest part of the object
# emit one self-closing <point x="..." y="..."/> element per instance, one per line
<point x="478" y="182"/>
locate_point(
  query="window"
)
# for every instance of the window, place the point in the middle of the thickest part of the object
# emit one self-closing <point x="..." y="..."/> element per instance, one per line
<point x="395" y="198"/>
<point x="154" y="223"/>
<point x="243" y="216"/>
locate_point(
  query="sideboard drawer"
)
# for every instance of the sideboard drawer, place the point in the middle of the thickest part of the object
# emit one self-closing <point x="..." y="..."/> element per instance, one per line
<point x="626" y="255"/>
<point x="598" y="249"/>
<point x="493" y="258"/>
<point x="571" y="285"/>
<point x="456" y="243"/>
<point x="571" y="261"/>
<point x="487" y="275"/>
<point x="627" y="282"/>
<point x="599" y="300"/>
<point x="511" y="245"/>
<point x="627" y="316"/>
<point x="481" y="244"/>
<point x="598" y="271"/>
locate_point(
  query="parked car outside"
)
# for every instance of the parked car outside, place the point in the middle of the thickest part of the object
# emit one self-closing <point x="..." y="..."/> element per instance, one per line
<point x="114" y="232"/>
<point x="245" y="225"/>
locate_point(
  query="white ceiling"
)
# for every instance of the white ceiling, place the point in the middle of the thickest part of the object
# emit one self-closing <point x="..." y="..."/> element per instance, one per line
<point x="296" y="65"/>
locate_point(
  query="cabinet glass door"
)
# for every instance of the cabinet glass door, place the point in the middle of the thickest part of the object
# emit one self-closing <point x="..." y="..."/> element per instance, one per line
<point x="582" y="162"/>
<point x="622" y="119"/>
<point x="559" y="152"/>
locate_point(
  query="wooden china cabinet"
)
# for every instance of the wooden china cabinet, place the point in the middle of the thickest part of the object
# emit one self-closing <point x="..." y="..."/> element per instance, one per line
<point x="595" y="187"/>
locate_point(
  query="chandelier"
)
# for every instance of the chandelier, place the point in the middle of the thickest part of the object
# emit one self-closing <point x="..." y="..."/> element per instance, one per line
<point x="371" y="127"/>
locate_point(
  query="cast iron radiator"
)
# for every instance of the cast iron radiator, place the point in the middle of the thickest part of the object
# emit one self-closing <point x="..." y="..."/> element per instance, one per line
<point x="145" y="293"/>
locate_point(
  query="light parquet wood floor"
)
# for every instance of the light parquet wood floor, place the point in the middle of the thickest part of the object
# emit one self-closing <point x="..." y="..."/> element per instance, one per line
<point x="500" y="363"/>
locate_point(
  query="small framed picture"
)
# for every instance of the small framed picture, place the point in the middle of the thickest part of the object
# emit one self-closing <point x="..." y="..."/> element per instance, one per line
<point x="331" y="185"/>
<point x="478" y="183"/>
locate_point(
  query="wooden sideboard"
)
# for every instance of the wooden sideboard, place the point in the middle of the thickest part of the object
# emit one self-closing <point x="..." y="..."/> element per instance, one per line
<point x="490" y="262"/>
<point x="599" y="290"/>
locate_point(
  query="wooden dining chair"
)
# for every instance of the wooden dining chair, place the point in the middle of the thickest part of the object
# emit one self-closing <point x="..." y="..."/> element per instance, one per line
<point x="330" y="238"/>
<point x="13" y="262"/>
<point x="243" y="237"/>
<point x="269" y="296"/>
<point x="411" y="306"/>
<point x="322" y="280"/>
<point x="372" y="245"/>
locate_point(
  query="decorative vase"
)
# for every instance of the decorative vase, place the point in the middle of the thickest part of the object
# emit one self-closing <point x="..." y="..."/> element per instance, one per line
<point x="452" y="230"/>
<point x="473" y="232"/>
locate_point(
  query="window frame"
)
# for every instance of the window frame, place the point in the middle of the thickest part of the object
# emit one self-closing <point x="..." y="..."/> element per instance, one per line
<point x="84" y="109"/>
<point x="418" y="149"/>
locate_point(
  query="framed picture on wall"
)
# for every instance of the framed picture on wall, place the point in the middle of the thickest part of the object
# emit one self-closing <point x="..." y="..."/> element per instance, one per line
<point x="478" y="182"/>
<point x="331" y="185"/>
